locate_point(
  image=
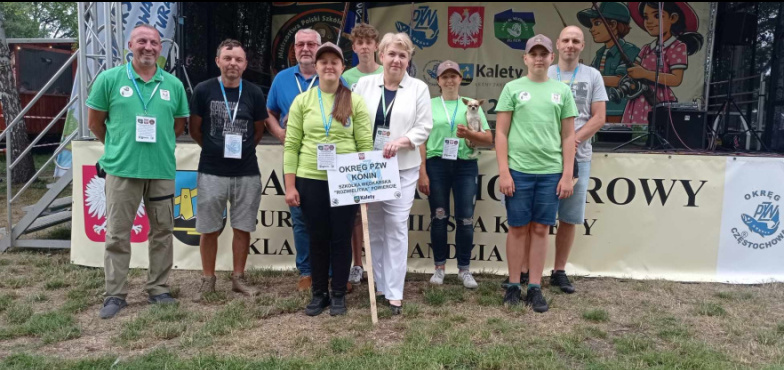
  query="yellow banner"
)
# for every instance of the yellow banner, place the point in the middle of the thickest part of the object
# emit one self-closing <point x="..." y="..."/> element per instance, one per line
<point x="648" y="216"/>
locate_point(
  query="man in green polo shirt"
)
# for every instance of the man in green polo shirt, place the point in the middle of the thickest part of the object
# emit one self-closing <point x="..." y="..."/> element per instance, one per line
<point x="137" y="110"/>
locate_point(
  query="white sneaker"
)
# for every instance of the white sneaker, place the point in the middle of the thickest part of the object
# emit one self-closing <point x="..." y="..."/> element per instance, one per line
<point x="355" y="276"/>
<point x="468" y="279"/>
<point x="438" y="277"/>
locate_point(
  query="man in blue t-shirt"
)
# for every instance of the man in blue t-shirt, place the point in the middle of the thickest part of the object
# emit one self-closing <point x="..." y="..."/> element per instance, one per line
<point x="289" y="83"/>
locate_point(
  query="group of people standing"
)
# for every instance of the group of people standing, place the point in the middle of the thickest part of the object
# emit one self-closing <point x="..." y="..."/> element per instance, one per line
<point x="318" y="110"/>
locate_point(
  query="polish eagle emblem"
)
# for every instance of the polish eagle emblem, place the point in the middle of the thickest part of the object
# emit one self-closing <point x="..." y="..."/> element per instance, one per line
<point x="465" y="29"/>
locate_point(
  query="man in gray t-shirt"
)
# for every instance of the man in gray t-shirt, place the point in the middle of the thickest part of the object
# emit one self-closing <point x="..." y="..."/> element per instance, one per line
<point x="590" y="96"/>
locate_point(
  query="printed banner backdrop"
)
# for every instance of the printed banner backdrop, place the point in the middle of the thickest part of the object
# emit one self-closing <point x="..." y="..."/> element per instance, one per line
<point x="648" y="217"/>
<point x="752" y="239"/>
<point x="488" y="41"/>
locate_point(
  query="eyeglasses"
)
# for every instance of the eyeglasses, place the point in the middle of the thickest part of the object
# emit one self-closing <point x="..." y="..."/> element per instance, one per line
<point x="301" y="45"/>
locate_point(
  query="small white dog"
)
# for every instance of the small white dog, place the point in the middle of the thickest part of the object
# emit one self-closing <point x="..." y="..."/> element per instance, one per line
<point x="473" y="119"/>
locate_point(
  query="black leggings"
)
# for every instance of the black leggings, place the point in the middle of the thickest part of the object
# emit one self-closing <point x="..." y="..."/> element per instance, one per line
<point x="330" y="234"/>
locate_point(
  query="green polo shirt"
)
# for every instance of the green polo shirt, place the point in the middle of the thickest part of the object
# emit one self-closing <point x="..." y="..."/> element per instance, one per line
<point x="442" y="129"/>
<point x="534" y="139"/>
<point x="353" y="75"/>
<point x="614" y="66"/>
<point x="114" y="92"/>
<point x="306" y="129"/>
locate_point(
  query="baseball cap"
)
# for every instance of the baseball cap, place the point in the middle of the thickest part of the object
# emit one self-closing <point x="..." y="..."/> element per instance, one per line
<point x="446" y="66"/>
<point x="329" y="47"/>
<point x="615" y="11"/>
<point x="539" y="40"/>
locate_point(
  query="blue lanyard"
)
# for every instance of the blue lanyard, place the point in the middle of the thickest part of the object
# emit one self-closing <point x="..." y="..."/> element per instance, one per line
<point x="138" y="92"/>
<point x="327" y="125"/>
<point x="233" y="117"/>
<point x="454" y="115"/>
<point x="574" y="76"/>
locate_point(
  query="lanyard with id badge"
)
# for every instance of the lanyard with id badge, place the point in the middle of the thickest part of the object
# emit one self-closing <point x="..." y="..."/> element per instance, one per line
<point x="574" y="75"/>
<point x="326" y="153"/>
<point x="232" y="141"/>
<point x="383" y="134"/>
<point x="146" y="125"/>
<point x="451" y="144"/>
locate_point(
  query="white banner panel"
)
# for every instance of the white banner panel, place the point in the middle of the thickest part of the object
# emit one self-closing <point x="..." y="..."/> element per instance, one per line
<point x="648" y="216"/>
<point x="752" y="239"/>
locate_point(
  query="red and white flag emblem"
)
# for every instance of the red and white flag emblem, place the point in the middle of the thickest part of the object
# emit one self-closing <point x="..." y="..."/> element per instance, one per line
<point x="94" y="196"/>
<point x="465" y="26"/>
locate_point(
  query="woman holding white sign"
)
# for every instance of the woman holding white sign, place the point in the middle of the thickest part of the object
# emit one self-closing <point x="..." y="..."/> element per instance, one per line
<point x="403" y="120"/>
<point x="450" y="165"/>
<point x="312" y="145"/>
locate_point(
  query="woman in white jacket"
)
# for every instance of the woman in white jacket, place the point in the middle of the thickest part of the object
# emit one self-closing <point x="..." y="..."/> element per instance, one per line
<point x="403" y="119"/>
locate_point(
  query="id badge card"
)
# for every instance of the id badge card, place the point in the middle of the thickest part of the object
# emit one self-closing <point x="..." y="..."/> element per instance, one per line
<point x="382" y="138"/>
<point x="327" y="157"/>
<point x="232" y="146"/>
<point x="146" y="128"/>
<point x="451" y="146"/>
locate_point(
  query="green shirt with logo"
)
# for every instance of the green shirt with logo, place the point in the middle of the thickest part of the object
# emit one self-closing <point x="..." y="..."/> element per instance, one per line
<point x="306" y="129"/>
<point x="534" y="138"/>
<point x="115" y="93"/>
<point x="353" y="75"/>
<point x="442" y="128"/>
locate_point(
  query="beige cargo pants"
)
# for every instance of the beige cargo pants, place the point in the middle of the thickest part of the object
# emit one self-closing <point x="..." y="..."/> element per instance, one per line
<point x="122" y="202"/>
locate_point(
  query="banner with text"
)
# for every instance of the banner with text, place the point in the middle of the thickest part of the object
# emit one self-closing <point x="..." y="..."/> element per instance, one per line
<point x="648" y="216"/>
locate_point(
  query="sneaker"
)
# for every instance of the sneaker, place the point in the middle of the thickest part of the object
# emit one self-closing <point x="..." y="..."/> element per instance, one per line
<point x="523" y="280"/>
<point x="238" y="285"/>
<point x="304" y="283"/>
<point x="338" y="304"/>
<point x="164" y="298"/>
<point x="112" y="306"/>
<point x="355" y="276"/>
<point x="207" y="286"/>
<point x="536" y="300"/>
<point x="468" y="279"/>
<point x="559" y="279"/>
<point x="513" y="296"/>
<point x="318" y="302"/>
<point x="438" y="277"/>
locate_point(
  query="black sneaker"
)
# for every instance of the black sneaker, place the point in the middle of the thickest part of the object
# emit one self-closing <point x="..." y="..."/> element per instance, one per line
<point x="523" y="280"/>
<point x="111" y="307"/>
<point x="318" y="303"/>
<point x="559" y="279"/>
<point x="338" y="304"/>
<point x="164" y="298"/>
<point x="535" y="299"/>
<point x="513" y="296"/>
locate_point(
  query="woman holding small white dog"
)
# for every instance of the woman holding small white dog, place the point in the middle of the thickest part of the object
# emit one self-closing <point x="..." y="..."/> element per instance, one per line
<point x="449" y="163"/>
<point x="401" y="105"/>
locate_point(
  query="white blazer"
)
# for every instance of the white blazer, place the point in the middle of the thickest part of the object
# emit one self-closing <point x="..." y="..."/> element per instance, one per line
<point x="411" y="115"/>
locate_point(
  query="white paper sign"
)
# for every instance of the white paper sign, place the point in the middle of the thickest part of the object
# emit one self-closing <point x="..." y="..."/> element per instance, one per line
<point x="364" y="177"/>
<point x="382" y="138"/>
<point x="232" y="146"/>
<point x="451" y="147"/>
<point x="326" y="156"/>
<point x="145" y="129"/>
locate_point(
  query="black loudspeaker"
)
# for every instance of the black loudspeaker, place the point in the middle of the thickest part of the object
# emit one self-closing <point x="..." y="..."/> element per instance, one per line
<point x="687" y="123"/>
<point x="738" y="28"/>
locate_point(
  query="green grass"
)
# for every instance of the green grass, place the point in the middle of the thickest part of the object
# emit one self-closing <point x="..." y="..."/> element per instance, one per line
<point x="6" y="301"/>
<point x="596" y="315"/>
<point x="710" y="309"/>
<point x="18" y="314"/>
<point x="54" y="284"/>
<point x="632" y="344"/>
<point x="162" y="322"/>
<point x="37" y="298"/>
<point x="341" y="345"/>
<point x="50" y="327"/>
<point x="59" y="233"/>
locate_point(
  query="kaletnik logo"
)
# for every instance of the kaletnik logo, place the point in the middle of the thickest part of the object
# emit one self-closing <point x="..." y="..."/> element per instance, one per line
<point x="424" y="27"/>
<point x="764" y="222"/>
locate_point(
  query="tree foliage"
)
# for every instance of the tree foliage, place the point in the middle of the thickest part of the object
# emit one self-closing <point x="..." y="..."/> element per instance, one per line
<point x="39" y="19"/>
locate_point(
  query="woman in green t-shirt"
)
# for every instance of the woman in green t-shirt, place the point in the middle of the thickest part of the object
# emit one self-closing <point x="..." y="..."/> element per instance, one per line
<point x="312" y="137"/>
<point x="448" y="163"/>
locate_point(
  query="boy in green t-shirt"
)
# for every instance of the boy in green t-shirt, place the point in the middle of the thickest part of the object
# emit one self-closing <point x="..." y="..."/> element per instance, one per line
<point x="364" y="42"/>
<point x="536" y="120"/>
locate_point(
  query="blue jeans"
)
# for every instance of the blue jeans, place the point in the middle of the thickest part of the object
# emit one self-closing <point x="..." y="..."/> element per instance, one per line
<point x="301" y="241"/>
<point x="459" y="177"/>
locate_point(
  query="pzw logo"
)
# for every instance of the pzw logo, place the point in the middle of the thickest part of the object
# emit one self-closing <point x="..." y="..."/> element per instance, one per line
<point x="465" y="26"/>
<point x="424" y="27"/>
<point x="764" y="222"/>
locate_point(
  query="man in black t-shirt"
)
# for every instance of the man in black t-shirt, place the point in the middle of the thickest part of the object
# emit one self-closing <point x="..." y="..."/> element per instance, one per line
<point x="227" y="120"/>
